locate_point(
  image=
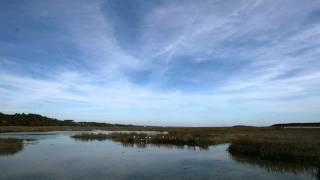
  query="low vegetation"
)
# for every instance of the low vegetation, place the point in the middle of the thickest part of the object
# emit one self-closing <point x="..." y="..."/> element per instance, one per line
<point x="285" y="145"/>
<point x="178" y="140"/>
<point x="301" y="150"/>
<point x="10" y="146"/>
<point x="291" y="125"/>
<point x="91" y="137"/>
<point x="278" y="166"/>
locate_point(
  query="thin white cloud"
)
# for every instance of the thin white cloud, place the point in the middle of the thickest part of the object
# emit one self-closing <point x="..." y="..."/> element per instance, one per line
<point x="253" y="33"/>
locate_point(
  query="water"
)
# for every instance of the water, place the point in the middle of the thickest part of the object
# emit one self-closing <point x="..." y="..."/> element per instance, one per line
<point x="55" y="155"/>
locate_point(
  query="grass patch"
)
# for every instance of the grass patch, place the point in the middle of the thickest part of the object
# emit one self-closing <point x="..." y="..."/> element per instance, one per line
<point x="10" y="146"/>
<point x="91" y="137"/>
<point x="276" y="166"/>
<point x="142" y="139"/>
<point x="278" y="149"/>
<point x="269" y="143"/>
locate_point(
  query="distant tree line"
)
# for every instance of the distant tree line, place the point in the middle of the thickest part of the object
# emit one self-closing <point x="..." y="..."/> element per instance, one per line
<point x="297" y="125"/>
<point x="38" y="120"/>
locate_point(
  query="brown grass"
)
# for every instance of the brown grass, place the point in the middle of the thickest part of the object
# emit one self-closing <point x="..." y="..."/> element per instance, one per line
<point x="10" y="146"/>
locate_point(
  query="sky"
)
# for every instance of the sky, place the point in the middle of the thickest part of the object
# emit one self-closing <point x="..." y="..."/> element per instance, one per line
<point x="166" y="62"/>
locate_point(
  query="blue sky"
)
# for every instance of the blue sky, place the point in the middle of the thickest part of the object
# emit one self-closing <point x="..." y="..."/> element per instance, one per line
<point x="190" y="63"/>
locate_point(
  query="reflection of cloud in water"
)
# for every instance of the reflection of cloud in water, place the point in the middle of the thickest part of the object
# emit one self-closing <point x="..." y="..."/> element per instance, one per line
<point x="278" y="166"/>
<point x="10" y="146"/>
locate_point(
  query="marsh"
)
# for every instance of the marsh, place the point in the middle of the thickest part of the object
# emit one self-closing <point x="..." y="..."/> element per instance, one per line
<point x="57" y="155"/>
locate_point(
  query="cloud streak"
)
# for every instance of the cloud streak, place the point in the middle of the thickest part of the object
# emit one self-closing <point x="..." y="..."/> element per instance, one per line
<point x="162" y="62"/>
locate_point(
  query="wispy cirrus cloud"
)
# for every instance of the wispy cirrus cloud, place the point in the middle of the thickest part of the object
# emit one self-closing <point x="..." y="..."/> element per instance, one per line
<point x="162" y="62"/>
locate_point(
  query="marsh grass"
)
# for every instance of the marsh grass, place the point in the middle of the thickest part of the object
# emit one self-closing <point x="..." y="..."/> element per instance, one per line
<point x="278" y="149"/>
<point x="91" y="137"/>
<point x="143" y="139"/>
<point x="10" y="146"/>
<point x="277" y="166"/>
<point x="274" y="144"/>
<point x="286" y="144"/>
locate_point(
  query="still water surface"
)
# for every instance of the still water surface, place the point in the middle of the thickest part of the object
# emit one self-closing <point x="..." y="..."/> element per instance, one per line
<point x="54" y="155"/>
